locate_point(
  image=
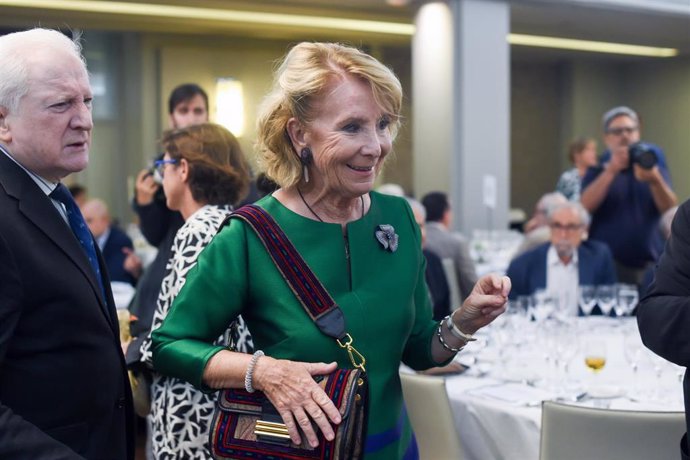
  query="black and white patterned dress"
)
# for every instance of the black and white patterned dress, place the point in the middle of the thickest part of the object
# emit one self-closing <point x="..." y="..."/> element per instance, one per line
<point x="180" y="414"/>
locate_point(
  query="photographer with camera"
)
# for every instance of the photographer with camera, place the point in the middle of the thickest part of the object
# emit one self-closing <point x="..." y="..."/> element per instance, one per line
<point x="626" y="194"/>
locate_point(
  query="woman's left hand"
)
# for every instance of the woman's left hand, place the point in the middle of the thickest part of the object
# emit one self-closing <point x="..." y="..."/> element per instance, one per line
<point x="486" y="301"/>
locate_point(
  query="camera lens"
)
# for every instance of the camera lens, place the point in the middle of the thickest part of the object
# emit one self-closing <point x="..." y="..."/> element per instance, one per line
<point x="643" y="154"/>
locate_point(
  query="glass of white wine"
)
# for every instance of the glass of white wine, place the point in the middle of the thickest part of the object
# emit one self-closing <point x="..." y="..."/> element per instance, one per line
<point x="595" y="355"/>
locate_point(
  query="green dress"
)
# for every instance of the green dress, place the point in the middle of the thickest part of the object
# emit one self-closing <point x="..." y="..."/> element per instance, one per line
<point x="382" y="293"/>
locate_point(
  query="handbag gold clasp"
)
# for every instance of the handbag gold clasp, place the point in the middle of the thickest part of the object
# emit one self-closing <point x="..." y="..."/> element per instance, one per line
<point x="356" y="358"/>
<point x="271" y="430"/>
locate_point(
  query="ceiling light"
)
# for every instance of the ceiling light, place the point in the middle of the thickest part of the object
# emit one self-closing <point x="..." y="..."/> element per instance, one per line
<point x="217" y="14"/>
<point x="591" y="46"/>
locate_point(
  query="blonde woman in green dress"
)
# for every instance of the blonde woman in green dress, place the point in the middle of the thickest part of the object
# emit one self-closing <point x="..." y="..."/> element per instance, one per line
<point x="324" y="132"/>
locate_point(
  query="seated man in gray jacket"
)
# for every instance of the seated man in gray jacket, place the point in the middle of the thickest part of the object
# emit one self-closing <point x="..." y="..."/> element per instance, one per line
<point x="447" y="244"/>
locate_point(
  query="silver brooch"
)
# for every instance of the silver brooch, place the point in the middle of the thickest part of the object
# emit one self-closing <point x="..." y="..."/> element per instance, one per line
<point x="386" y="235"/>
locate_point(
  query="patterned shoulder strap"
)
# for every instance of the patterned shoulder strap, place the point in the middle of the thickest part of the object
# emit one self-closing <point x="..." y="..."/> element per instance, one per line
<point x="306" y="286"/>
<point x="317" y="302"/>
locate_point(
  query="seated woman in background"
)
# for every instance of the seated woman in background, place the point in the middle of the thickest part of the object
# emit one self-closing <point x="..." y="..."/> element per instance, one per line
<point x="583" y="154"/>
<point x="204" y="173"/>
<point x="323" y="135"/>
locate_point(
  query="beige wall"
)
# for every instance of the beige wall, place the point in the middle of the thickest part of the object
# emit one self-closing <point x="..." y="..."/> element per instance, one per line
<point x="535" y="131"/>
<point x="659" y="89"/>
<point x="250" y="64"/>
<point x="660" y="92"/>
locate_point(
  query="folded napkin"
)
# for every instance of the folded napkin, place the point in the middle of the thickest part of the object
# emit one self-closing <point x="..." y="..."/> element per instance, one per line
<point x="514" y="393"/>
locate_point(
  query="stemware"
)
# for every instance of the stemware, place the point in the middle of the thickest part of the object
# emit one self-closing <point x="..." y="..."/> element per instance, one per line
<point x="627" y="299"/>
<point x="544" y="306"/>
<point x="587" y="299"/>
<point x="595" y="354"/>
<point x="606" y="297"/>
<point x="633" y="351"/>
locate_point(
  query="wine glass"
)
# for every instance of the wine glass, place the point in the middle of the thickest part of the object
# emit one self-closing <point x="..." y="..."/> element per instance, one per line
<point x="595" y="354"/>
<point x="633" y="350"/>
<point x="627" y="299"/>
<point x="587" y="299"/>
<point x="544" y="305"/>
<point x="606" y="297"/>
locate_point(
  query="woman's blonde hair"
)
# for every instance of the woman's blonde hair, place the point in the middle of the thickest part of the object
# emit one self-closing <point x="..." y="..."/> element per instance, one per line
<point x="304" y="72"/>
<point x="218" y="170"/>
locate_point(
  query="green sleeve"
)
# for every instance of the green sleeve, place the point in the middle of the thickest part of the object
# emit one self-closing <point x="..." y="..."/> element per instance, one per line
<point x="211" y="298"/>
<point x="417" y="352"/>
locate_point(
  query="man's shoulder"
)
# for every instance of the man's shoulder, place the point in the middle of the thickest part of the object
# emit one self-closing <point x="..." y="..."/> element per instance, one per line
<point x="118" y="236"/>
<point x="531" y="255"/>
<point x="437" y="235"/>
<point x="594" y="247"/>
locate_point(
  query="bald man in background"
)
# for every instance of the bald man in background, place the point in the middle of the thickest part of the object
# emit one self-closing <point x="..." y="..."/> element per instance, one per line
<point x="115" y="245"/>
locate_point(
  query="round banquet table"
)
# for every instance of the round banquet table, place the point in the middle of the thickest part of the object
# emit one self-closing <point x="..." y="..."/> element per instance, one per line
<point x="516" y="364"/>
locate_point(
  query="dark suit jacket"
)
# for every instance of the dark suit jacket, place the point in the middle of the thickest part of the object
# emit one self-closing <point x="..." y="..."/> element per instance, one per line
<point x="64" y="392"/>
<point x="115" y="258"/>
<point x="437" y="284"/>
<point x="663" y="315"/>
<point x="528" y="271"/>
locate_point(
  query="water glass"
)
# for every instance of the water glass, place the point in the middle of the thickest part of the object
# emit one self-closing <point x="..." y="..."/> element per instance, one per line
<point x="587" y="299"/>
<point x="544" y="305"/>
<point x="606" y="297"/>
<point x="627" y="299"/>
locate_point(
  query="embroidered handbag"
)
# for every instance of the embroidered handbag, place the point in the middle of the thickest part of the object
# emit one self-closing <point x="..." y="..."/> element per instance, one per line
<point x="246" y="425"/>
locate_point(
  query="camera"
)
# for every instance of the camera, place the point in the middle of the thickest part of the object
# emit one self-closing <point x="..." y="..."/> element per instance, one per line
<point x="643" y="154"/>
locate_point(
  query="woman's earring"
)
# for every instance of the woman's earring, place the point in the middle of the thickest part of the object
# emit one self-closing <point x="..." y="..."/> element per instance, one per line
<point x="305" y="157"/>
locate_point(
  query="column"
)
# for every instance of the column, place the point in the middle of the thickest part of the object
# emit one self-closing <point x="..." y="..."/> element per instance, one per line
<point x="461" y="108"/>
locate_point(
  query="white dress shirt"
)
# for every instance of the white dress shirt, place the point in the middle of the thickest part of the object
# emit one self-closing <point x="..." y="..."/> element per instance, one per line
<point x="562" y="281"/>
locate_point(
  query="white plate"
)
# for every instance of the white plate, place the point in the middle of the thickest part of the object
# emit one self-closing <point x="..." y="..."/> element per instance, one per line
<point x="605" y="391"/>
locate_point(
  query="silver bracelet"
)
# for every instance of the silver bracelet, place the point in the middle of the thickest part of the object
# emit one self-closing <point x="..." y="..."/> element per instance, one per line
<point x="443" y="342"/>
<point x="250" y="371"/>
<point x="456" y="330"/>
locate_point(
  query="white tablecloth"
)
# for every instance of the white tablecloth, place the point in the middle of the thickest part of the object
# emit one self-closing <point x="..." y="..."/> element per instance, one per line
<point x="496" y="405"/>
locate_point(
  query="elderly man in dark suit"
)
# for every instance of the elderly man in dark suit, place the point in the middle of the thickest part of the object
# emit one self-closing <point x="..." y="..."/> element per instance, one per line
<point x="663" y="315"/>
<point x="64" y="392"/>
<point x="565" y="262"/>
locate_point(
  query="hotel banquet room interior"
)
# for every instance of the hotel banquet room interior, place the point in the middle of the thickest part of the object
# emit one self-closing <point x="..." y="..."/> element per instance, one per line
<point x="494" y="90"/>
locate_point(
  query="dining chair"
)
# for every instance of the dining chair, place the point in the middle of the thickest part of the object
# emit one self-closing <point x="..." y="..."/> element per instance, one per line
<point x="432" y="421"/>
<point x="452" y="279"/>
<point x="575" y="433"/>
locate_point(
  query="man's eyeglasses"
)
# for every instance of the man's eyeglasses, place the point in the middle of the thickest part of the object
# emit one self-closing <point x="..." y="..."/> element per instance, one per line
<point x="621" y="130"/>
<point x="570" y="228"/>
<point x="159" y="165"/>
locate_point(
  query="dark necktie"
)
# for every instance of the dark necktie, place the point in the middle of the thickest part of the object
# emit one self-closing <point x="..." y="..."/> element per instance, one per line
<point x="79" y="228"/>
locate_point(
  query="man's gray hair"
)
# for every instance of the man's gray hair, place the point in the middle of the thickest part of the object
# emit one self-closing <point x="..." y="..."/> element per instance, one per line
<point x="16" y="51"/>
<point x="575" y="206"/>
<point x="549" y="200"/>
<point x="617" y="112"/>
<point x="417" y="207"/>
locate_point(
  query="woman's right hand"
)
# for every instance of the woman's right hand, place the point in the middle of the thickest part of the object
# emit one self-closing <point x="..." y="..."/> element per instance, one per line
<point x="290" y="386"/>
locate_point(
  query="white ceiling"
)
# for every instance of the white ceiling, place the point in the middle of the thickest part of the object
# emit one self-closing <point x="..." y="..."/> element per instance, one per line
<point x="663" y="23"/>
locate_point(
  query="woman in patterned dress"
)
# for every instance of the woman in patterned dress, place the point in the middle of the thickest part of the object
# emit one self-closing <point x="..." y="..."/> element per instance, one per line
<point x="583" y="154"/>
<point x="203" y="172"/>
<point x="323" y="134"/>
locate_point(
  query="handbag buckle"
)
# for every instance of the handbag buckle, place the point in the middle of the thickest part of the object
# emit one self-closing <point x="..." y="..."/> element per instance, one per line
<point x="271" y="432"/>
<point x="356" y="358"/>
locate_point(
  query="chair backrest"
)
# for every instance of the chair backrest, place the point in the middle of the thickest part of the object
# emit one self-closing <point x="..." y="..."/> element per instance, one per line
<point x="572" y="432"/>
<point x="452" y="279"/>
<point x="429" y="411"/>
